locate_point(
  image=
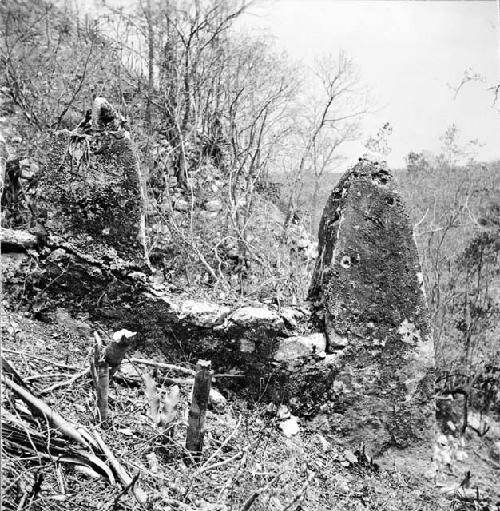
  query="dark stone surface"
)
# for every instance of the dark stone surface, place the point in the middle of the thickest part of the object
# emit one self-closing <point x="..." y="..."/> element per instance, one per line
<point x="88" y="192"/>
<point x="369" y="300"/>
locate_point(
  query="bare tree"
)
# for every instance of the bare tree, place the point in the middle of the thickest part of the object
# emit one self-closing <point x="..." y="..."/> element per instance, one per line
<point x="339" y="113"/>
<point x="50" y="64"/>
<point x="259" y="89"/>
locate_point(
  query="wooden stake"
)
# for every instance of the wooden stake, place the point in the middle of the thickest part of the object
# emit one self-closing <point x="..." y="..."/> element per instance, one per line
<point x="199" y="405"/>
<point x="115" y="352"/>
<point x="103" y="390"/>
<point x="99" y="369"/>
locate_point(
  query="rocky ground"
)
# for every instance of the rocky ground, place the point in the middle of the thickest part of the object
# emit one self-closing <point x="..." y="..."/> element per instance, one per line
<point x="250" y="460"/>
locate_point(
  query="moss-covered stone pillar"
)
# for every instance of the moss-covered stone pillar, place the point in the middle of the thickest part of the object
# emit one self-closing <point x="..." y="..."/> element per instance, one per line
<point x="89" y="189"/>
<point x="368" y="299"/>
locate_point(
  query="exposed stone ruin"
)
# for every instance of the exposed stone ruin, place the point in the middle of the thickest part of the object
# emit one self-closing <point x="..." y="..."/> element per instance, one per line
<point x="89" y="193"/>
<point x="368" y="299"/>
<point x="358" y="359"/>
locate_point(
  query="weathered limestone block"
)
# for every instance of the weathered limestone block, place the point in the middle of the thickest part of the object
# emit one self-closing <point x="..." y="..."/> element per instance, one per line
<point x="89" y="188"/>
<point x="292" y="348"/>
<point x="369" y="301"/>
<point x="250" y="316"/>
<point x="204" y="314"/>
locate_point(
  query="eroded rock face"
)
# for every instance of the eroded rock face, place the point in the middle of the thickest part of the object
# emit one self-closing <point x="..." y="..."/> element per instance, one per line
<point x="89" y="188"/>
<point x="369" y="301"/>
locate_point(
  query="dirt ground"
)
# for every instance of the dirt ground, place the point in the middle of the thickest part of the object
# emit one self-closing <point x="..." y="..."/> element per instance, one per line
<point x="247" y="460"/>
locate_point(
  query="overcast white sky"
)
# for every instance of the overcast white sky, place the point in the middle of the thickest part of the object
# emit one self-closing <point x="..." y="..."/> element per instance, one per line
<point x="407" y="53"/>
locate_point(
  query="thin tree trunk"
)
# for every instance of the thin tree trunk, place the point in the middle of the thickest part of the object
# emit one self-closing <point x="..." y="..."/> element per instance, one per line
<point x="314" y="215"/>
<point x="150" y="65"/>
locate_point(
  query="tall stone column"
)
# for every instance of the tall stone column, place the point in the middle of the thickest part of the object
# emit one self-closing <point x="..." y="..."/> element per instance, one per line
<point x="368" y="298"/>
<point x="89" y="189"/>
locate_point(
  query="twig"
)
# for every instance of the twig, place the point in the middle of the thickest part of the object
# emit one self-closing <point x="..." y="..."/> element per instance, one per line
<point x="249" y="502"/>
<point x="495" y="465"/>
<point x="301" y="492"/>
<point x="176" y="503"/>
<point x="25" y="427"/>
<point x="418" y="223"/>
<point x="121" y="473"/>
<point x="126" y="379"/>
<point x="229" y="375"/>
<point x="42" y="359"/>
<point x="125" y="490"/>
<point x="65" y="383"/>
<point x="232" y="479"/>
<point x="78" y="88"/>
<point x="220" y="463"/>
<point x="161" y="365"/>
<point x="216" y="453"/>
<point x="44" y="376"/>
<point x="256" y="494"/>
<point x="8" y="368"/>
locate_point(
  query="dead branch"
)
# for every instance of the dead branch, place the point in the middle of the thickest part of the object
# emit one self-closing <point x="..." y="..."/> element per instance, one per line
<point x="217" y="452"/>
<point x="20" y="436"/>
<point x="256" y="494"/>
<point x="38" y="407"/>
<point x="301" y="492"/>
<point x="221" y="463"/>
<point x="66" y="383"/>
<point x="47" y="376"/>
<point x="125" y="490"/>
<point x="121" y="473"/>
<point x="42" y="359"/>
<point x="9" y="369"/>
<point x="161" y="365"/>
